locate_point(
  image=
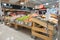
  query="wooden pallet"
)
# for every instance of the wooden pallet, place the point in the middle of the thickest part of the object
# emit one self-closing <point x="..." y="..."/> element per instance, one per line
<point x="38" y="32"/>
<point x="41" y="36"/>
<point x="43" y="23"/>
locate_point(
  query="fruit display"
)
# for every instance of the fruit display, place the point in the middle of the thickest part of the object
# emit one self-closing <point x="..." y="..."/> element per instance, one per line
<point x="21" y="20"/>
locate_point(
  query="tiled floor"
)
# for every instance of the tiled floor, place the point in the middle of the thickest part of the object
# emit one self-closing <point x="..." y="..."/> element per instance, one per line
<point x="7" y="33"/>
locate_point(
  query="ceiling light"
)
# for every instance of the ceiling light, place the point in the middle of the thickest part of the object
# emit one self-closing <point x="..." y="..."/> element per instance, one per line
<point x="34" y="0"/>
<point x="22" y="3"/>
<point x="5" y="4"/>
<point x="57" y="1"/>
<point x="47" y="4"/>
<point x="53" y="6"/>
<point x="33" y="8"/>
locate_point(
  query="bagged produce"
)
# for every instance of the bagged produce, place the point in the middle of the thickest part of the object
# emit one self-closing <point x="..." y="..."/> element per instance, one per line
<point x="22" y="18"/>
<point x="21" y="22"/>
<point x="28" y="23"/>
<point x="16" y="21"/>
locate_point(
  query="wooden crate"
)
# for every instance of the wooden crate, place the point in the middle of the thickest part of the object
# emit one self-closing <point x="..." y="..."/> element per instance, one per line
<point x="38" y="32"/>
<point x="41" y="36"/>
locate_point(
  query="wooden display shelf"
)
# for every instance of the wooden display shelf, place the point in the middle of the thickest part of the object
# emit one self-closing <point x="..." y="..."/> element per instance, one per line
<point x="11" y="10"/>
<point x="36" y="30"/>
<point x="41" y="36"/>
<point x="16" y="25"/>
<point x="23" y="26"/>
<point x="42" y="30"/>
<point x="43" y="23"/>
<point x="20" y="25"/>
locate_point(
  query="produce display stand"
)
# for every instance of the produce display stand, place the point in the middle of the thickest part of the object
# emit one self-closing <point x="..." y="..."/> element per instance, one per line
<point x="38" y="29"/>
<point x="41" y="30"/>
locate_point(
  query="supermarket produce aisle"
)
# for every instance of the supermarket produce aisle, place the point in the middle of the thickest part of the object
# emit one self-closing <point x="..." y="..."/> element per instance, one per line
<point x="7" y="33"/>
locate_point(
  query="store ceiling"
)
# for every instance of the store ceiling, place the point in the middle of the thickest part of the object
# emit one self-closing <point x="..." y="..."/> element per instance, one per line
<point x="35" y="2"/>
<point x="42" y="1"/>
<point x="48" y="3"/>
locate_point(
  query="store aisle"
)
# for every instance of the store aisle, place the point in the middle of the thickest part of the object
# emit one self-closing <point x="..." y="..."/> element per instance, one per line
<point x="7" y="33"/>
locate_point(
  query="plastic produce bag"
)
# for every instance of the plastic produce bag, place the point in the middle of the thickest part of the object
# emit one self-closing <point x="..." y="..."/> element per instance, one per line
<point x="28" y="23"/>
